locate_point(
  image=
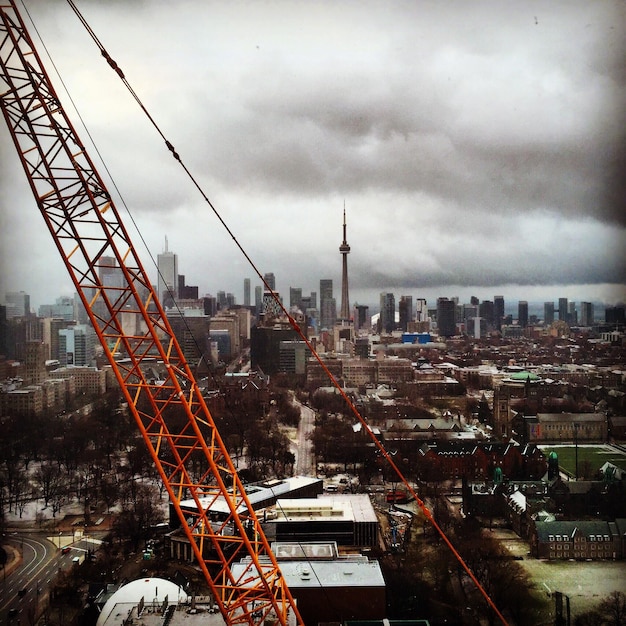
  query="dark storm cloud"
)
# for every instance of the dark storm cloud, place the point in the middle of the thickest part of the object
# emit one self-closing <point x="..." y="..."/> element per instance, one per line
<point x="475" y="143"/>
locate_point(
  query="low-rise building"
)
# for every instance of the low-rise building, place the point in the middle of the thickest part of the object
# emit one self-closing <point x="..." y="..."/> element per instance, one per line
<point x="580" y="539"/>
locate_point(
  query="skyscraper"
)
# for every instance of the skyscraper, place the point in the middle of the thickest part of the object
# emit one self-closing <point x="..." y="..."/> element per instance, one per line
<point x="548" y="313"/>
<point x="258" y="300"/>
<point x="387" y="312"/>
<point x="446" y="317"/>
<point x="498" y="311"/>
<point x="586" y="314"/>
<point x="405" y="311"/>
<point x="295" y="298"/>
<point x="522" y="313"/>
<point x="77" y="345"/>
<point x="344" y="249"/>
<point x="246" y="292"/>
<point x="167" y="286"/>
<point x="328" y="306"/>
<point x="17" y="304"/>
<point x="421" y="310"/>
<point x="563" y="309"/>
<point x="270" y="280"/>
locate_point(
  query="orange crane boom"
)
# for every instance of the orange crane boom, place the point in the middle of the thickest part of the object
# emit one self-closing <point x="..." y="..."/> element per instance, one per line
<point x="172" y="416"/>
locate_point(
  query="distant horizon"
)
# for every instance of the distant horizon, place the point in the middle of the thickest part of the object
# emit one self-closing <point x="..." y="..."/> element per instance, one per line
<point x="535" y="306"/>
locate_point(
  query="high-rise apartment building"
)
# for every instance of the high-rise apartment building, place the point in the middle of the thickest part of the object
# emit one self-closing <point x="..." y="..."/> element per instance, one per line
<point x="446" y="317"/>
<point x="572" y="314"/>
<point x="246" y="292"/>
<point x="522" y="313"/>
<point x="167" y="285"/>
<point x="328" y="306"/>
<point x="548" y="313"/>
<point x="405" y="312"/>
<point x="586" y="314"/>
<point x="563" y="309"/>
<point x="258" y="300"/>
<point x="387" y="312"/>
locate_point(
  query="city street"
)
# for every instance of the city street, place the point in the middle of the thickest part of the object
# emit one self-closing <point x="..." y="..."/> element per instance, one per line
<point x="25" y="586"/>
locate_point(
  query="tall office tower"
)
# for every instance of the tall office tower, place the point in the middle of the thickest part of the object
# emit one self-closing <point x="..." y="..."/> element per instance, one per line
<point x="522" y="313"/>
<point x="222" y="302"/>
<point x="270" y="280"/>
<point x="405" y="311"/>
<point x="470" y="311"/>
<point x="210" y="305"/>
<point x="387" y="312"/>
<point x="344" y="250"/>
<point x="548" y="313"/>
<point x="446" y="317"/>
<point x="572" y="314"/>
<point x="258" y="300"/>
<point x="328" y="306"/>
<point x="487" y="310"/>
<point x="77" y="345"/>
<point x="50" y="327"/>
<point x="167" y="286"/>
<point x="328" y="313"/>
<point x="110" y="273"/>
<point x="246" y="292"/>
<point x="498" y="311"/>
<point x="421" y="310"/>
<point x="615" y="315"/>
<point x="361" y="317"/>
<point x="17" y="304"/>
<point x="586" y="314"/>
<point x="563" y="309"/>
<point x="295" y="298"/>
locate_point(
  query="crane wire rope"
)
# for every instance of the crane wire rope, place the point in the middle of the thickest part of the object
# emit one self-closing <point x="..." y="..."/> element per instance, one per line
<point x="228" y="406"/>
<point x="117" y="69"/>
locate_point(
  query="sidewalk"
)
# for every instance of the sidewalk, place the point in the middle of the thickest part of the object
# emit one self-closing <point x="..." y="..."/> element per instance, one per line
<point x="14" y="558"/>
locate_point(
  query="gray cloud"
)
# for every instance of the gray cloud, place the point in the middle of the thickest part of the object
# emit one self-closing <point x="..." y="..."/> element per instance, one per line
<point x="475" y="144"/>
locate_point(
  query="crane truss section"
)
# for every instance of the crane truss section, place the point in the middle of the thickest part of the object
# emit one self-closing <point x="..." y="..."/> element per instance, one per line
<point x="132" y="327"/>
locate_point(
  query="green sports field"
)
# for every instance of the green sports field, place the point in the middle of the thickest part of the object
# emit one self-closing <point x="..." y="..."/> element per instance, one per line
<point x="594" y="456"/>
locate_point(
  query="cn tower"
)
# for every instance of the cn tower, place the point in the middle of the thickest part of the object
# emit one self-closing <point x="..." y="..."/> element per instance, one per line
<point x="344" y="249"/>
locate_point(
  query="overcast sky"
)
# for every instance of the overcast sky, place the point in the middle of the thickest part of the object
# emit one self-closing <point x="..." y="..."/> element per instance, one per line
<point x="478" y="146"/>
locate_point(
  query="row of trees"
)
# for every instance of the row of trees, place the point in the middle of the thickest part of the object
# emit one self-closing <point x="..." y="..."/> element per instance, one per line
<point x="98" y="458"/>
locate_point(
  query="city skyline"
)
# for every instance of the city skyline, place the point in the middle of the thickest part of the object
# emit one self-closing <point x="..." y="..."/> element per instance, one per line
<point x="492" y="166"/>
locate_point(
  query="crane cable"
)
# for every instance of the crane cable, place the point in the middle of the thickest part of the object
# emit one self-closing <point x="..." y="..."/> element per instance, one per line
<point x="118" y="70"/>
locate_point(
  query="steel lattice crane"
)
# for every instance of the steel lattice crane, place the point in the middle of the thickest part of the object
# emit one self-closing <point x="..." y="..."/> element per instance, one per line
<point x="172" y="416"/>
